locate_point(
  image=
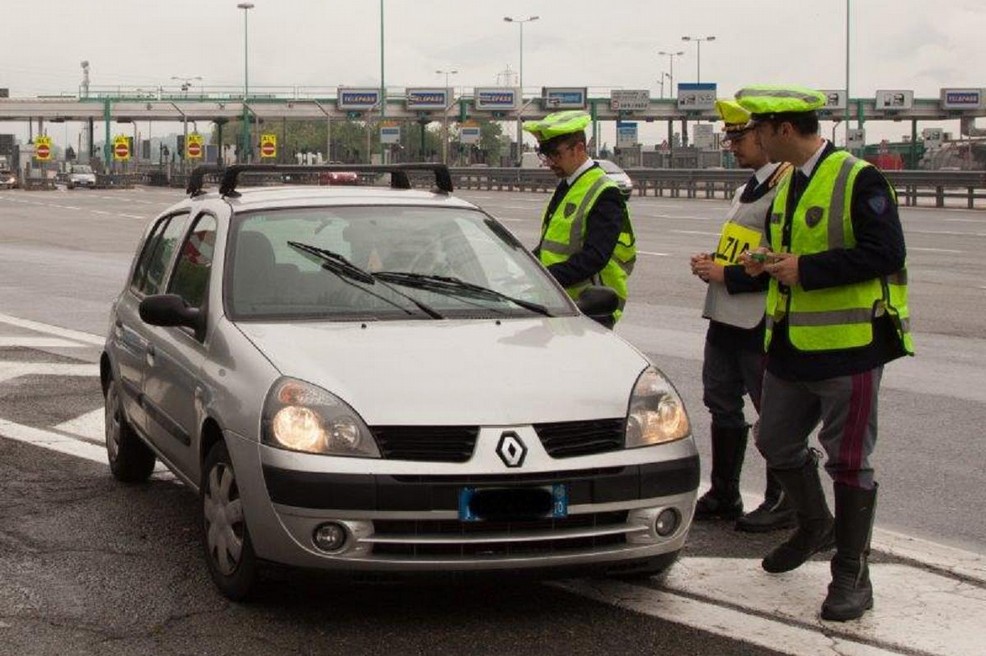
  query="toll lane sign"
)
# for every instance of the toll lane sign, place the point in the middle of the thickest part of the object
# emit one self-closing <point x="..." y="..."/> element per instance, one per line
<point x="42" y="148"/>
<point x="268" y="145"/>
<point x="193" y="146"/>
<point x="121" y="148"/>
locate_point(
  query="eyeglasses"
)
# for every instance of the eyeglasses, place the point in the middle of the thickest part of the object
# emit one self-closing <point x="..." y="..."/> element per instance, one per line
<point x="552" y="151"/>
<point x="730" y="139"/>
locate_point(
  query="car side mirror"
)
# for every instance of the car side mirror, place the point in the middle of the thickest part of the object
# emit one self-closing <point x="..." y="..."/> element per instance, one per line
<point x="599" y="303"/>
<point x="169" y="310"/>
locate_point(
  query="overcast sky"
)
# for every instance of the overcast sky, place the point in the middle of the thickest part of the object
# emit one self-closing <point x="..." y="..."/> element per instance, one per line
<point x="895" y="44"/>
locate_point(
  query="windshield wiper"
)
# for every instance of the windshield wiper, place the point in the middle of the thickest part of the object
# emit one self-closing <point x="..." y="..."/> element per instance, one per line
<point x="447" y="284"/>
<point x="339" y="265"/>
<point x="333" y="262"/>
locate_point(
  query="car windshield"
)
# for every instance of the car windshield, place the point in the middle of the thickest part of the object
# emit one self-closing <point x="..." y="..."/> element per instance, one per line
<point x="81" y="168"/>
<point x="423" y="263"/>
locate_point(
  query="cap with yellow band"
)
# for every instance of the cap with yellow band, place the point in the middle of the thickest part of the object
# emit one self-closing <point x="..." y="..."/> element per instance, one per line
<point x="769" y="102"/>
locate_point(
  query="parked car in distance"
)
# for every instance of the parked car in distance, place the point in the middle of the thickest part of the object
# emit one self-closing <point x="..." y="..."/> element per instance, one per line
<point x="7" y="179"/>
<point x="385" y="380"/>
<point x="77" y="175"/>
<point x="338" y="177"/>
<point x="617" y="175"/>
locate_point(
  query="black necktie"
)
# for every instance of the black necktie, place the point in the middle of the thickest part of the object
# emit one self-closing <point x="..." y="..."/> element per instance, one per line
<point x="560" y="192"/>
<point x="799" y="182"/>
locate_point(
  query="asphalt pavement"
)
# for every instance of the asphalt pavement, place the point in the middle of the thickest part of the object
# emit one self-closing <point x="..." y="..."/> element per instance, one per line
<point x="88" y="565"/>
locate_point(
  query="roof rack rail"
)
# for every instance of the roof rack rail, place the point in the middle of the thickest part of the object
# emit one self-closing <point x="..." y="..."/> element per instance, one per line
<point x="197" y="177"/>
<point x="398" y="174"/>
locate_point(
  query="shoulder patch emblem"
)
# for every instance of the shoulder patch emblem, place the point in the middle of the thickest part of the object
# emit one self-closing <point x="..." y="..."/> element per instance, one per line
<point x="814" y="215"/>
<point x="569" y="209"/>
<point x="878" y="204"/>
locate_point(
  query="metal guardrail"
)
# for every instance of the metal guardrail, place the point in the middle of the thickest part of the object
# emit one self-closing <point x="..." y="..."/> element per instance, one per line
<point x="722" y="183"/>
<point x="911" y="186"/>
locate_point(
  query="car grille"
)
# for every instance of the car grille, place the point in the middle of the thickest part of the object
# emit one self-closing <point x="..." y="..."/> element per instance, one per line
<point x="426" y="443"/>
<point x="451" y="539"/>
<point x="567" y="439"/>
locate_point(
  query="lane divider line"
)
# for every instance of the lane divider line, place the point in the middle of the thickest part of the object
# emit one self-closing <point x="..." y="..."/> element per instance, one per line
<point x="79" y="336"/>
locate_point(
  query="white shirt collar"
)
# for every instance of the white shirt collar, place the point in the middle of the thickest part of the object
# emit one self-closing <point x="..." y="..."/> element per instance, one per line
<point x="586" y="165"/>
<point x="809" y="166"/>
<point x="765" y="171"/>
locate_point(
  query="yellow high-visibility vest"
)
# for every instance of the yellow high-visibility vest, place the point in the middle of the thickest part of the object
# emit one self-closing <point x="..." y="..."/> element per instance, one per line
<point x="563" y="234"/>
<point x="838" y="317"/>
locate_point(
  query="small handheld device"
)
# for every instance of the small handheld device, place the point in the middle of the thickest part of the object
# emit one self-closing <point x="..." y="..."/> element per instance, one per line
<point x="760" y="257"/>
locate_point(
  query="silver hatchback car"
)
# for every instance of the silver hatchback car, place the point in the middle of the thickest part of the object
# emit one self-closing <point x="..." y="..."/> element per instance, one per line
<point x="384" y="379"/>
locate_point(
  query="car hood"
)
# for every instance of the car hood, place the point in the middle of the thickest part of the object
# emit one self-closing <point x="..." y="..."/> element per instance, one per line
<point x="511" y="372"/>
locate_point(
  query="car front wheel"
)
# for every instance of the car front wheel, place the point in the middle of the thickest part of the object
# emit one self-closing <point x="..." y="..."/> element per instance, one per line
<point x="228" y="550"/>
<point x="131" y="461"/>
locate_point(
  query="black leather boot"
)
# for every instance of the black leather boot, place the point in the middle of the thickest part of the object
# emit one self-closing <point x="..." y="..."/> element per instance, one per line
<point x="850" y="592"/>
<point x="723" y="500"/>
<point x="814" y="532"/>
<point x="774" y="514"/>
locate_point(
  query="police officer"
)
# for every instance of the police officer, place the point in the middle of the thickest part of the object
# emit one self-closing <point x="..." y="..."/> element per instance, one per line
<point x="733" y="361"/>
<point x="586" y="235"/>
<point x="836" y="313"/>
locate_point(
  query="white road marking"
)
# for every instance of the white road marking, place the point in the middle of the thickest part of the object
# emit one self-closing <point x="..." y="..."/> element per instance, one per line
<point x="36" y="342"/>
<point x="651" y="253"/>
<point x="89" y="426"/>
<point x="53" y="441"/>
<point x="67" y="333"/>
<point x="950" y="233"/>
<point x="132" y="216"/>
<point x="718" y="620"/>
<point x="913" y="610"/>
<point x="694" y="232"/>
<point x="11" y="370"/>
<point x="933" y="250"/>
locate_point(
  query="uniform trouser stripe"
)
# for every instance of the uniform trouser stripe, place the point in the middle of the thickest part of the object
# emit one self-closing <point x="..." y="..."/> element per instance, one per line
<point x="846" y="407"/>
<point x="854" y="430"/>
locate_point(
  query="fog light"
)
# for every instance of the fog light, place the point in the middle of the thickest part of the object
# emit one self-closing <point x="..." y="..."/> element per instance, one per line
<point x="667" y="522"/>
<point x="330" y="536"/>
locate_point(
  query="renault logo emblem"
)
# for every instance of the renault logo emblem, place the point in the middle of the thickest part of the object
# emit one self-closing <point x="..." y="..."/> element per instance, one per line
<point x="511" y="450"/>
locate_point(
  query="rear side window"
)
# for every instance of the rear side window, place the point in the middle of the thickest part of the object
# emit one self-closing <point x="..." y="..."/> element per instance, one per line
<point x="191" y="278"/>
<point x="151" y="269"/>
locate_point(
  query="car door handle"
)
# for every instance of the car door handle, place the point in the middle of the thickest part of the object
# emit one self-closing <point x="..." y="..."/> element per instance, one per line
<point x="151" y="352"/>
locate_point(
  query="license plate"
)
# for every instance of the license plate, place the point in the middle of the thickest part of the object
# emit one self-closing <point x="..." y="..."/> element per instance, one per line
<point x="513" y="503"/>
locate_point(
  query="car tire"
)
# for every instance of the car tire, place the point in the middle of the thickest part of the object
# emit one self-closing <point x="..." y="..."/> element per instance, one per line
<point x="225" y="538"/>
<point x="131" y="461"/>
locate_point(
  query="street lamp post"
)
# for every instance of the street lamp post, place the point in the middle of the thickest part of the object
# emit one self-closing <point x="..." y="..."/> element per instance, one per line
<point x="186" y="82"/>
<point x="244" y="130"/>
<point x="671" y="56"/>
<point x="698" y="52"/>
<point x="445" y="115"/>
<point x="520" y="23"/>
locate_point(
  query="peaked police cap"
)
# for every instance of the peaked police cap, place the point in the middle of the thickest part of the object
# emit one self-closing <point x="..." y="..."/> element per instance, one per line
<point x="766" y="101"/>
<point x="733" y="115"/>
<point x="558" y="124"/>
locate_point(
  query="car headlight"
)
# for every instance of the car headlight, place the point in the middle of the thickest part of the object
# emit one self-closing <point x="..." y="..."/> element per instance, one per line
<point x="299" y="416"/>
<point x="657" y="414"/>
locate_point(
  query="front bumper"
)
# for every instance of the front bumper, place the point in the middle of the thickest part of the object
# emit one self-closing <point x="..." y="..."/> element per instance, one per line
<point x="408" y="521"/>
